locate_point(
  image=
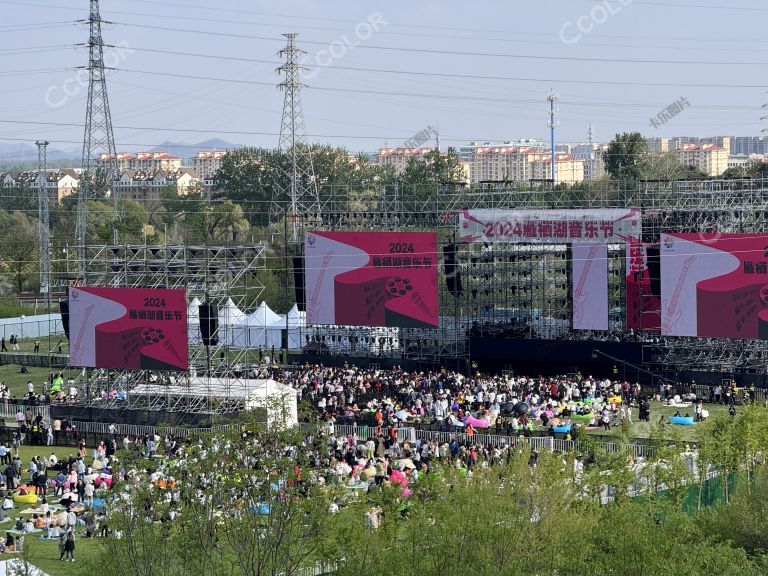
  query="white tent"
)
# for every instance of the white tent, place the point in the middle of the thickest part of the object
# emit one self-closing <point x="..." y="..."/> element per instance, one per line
<point x="297" y="323"/>
<point x="261" y="329"/>
<point x="278" y="399"/>
<point x="193" y="322"/>
<point x="230" y="318"/>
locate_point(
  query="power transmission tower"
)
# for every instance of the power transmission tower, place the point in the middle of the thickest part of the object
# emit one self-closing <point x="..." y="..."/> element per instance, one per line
<point x="300" y="202"/>
<point x="553" y="122"/>
<point x="43" y="229"/>
<point x="97" y="174"/>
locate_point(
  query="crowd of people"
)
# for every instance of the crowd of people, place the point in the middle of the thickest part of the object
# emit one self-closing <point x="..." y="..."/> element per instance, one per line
<point x="450" y="401"/>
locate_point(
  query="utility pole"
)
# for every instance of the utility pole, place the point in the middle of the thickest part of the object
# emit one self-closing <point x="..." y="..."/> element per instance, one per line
<point x="300" y="201"/>
<point x="99" y="163"/>
<point x="553" y="122"/>
<point x="43" y="227"/>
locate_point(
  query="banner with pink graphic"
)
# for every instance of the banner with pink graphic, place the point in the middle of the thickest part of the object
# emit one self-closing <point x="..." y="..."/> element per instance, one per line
<point x="643" y="305"/>
<point x="371" y="278"/>
<point x="128" y="328"/>
<point x="590" y="226"/>
<point x="590" y="286"/>
<point x="714" y="285"/>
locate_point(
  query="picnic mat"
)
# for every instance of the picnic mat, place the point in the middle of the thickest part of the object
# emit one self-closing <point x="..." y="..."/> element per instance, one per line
<point x="51" y="507"/>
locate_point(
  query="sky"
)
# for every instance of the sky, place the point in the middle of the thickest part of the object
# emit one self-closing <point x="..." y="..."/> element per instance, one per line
<point x="378" y="73"/>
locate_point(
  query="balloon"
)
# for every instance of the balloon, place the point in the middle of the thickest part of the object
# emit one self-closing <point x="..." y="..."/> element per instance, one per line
<point x="520" y="409"/>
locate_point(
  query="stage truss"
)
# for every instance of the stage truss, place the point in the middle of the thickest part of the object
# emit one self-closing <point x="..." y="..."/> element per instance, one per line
<point x="518" y="290"/>
<point x="209" y="273"/>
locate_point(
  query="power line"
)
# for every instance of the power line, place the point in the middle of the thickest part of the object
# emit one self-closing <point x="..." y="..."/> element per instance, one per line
<point x="458" y="52"/>
<point x="455" y="75"/>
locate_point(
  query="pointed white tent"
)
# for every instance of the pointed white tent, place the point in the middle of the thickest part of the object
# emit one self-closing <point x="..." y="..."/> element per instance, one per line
<point x="297" y="323"/>
<point x="264" y="328"/>
<point x="231" y="318"/>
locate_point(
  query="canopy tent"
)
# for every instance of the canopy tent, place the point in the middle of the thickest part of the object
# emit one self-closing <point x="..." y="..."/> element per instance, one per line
<point x="278" y="399"/>
<point x="230" y="317"/>
<point x="297" y="323"/>
<point x="193" y="322"/>
<point x="260" y="329"/>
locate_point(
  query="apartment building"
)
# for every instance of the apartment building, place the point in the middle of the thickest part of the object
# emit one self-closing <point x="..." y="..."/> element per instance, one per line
<point x="146" y="186"/>
<point x="398" y="158"/>
<point x="568" y="170"/>
<point x="593" y="157"/>
<point x="710" y="159"/>
<point x="59" y="183"/>
<point x="657" y="145"/>
<point x="466" y="151"/>
<point x="206" y="164"/>
<point x="143" y="161"/>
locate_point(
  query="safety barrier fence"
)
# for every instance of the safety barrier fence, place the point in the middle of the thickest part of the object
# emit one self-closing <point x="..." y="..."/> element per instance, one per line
<point x="538" y="443"/>
<point x="9" y="411"/>
<point x="133" y="430"/>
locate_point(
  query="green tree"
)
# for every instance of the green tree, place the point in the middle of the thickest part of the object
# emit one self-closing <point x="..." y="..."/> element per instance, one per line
<point x="667" y="166"/>
<point x="625" y="157"/>
<point x="218" y="222"/>
<point x="18" y="250"/>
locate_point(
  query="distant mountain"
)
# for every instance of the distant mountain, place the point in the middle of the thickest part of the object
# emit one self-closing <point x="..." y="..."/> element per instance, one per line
<point x="22" y="156"/>
<point x="189" y="150"/>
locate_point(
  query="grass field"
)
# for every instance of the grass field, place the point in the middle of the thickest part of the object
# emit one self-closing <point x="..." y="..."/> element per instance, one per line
<point x="43" y="553"/>
<point x="642" y="430"/>
<point x="11" y="375"/>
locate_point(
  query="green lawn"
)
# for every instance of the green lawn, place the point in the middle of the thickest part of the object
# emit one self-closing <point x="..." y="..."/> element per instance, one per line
<point x="658" y="409"/>
<point x="43" y="553"/>
<point x="11" y="375"/>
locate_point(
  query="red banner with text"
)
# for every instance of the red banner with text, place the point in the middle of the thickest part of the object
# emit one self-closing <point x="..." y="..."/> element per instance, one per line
<point x="128" y="328"/>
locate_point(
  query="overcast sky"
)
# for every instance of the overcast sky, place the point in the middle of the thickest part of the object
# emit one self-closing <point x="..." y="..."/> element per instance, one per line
<point x="381" y="72"/>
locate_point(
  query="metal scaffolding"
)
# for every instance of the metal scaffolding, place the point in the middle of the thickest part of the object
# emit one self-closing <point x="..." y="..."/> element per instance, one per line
<point x="519" y="290"/>
<point x="220" y="275"/>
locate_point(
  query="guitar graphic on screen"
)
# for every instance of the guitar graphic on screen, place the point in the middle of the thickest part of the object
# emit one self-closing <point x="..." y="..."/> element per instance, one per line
<point x="671" y="314"/>
<point x="578" y="301"/>
<point x="77" y="351"/>
<point x="313" y="306"/>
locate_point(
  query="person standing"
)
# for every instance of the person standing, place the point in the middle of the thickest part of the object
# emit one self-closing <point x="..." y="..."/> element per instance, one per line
<point x="37" y="345"/>
<point x="3" y="348"/>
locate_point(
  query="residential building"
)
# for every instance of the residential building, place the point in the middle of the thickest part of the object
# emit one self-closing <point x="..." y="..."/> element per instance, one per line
<point x="723" y="142"/>
<point x="59" y="183"/>
<point x="207" y="163"/>
<point x="144" y="161"/>
<point x="466" y="151"/>
<point x="657" y="145"/>
<point x="747" y="145"/>
<point x="398" y="157"/>
<point x="710" y="159"/>
<point x="568" y="170"/>
<point x="593" y="157"/>
<point x="502" y="164"/>
<point x="146" y="186"/>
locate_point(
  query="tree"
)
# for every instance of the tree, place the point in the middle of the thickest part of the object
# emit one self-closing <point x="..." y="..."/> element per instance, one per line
<point x="753" y="169"/>
<point x="249" y="176"/>
<point x="625" y="156"/>
<point x="667" y="166"/>
<point x="219" y="222"/>
<point x="18" y="250"/>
